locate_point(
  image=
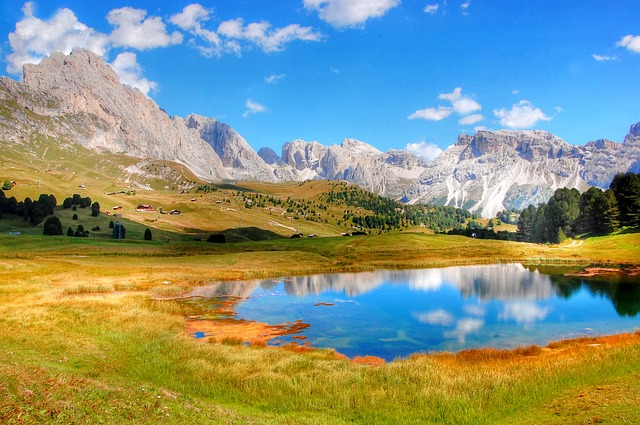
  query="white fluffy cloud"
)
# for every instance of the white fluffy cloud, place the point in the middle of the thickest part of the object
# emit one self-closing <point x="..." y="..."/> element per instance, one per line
<point x="470" y="119"/>
<point x="523" y="312"/>
<point x="191" y="19"/>
<point x="436" y="317"/>
<point x="601" y="58"/>
<point x="274" y="78"/>
<point x="130" y="72"/>
<point x="349" y="13"/>
<point x="262" y="35"/>
<point x="460" y="104"/>
<point x="521" y="115"/>
<point x="35" y="38"/>
<point x="431" y="9"/>
<point x="432" y="114"/>
<point x="253" y="108"/>
<point x="631" y="42"/>
<point x="464" y="7"/>
<point x="136" y="31"/>
<point x="426" y="151"/>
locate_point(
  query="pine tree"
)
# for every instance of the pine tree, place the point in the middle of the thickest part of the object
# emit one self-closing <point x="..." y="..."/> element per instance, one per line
<point x="626" y="188"/>
<point x="610" y="213"/>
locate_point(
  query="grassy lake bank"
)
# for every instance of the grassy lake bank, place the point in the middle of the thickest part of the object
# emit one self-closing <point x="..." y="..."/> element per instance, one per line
<point x="83" y="341"/>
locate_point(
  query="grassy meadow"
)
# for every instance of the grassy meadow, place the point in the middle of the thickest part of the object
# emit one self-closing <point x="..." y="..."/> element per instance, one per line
<point x="89" y="332"/>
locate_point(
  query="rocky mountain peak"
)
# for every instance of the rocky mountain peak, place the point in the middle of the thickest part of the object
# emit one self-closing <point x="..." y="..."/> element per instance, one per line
<point x="357" y="147"/>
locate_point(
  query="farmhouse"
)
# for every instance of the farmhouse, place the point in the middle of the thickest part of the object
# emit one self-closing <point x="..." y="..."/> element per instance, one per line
<point x="144" y="208"/>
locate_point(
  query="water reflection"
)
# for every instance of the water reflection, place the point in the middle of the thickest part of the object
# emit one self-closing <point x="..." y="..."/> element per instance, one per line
<point x="397" y="312"/>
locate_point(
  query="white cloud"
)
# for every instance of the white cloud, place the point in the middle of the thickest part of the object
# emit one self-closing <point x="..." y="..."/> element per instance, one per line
<point x="601" y="58"/>
<point x="133" y="30"/>
<point x="35" y="39"/>
<point x="130" y="72"/>
<point x="464" y="7"/>
<point x="349" y="13"/>
<point x="631" y="42"/>
<point x="28" y="8"/>
<point x="431" y="9"/>
<point x="253" y="108"/>
<point x="426" y="151"/>
<point x="436" y="317"/>
<point x="274" y="78"/>
<point x="470" y="119"/>
<point x="521" y="115"/>
<point x="474" y="310"/>
<point x="191" y="19"/>
<point x="464" y="327"/>
<point x="432" y="114"/>
<point x="334" y="70"/>
<point x="261" y="34"/>
<point x="523" y="312"/>
<point x="461" y="104"/>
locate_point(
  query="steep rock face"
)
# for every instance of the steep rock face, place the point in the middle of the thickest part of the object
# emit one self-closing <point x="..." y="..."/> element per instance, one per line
<point x="238" y="158"/>
<point x="601" y="160"/>
<point x="492" y="171"/>
<point x="386" y="173"/>
<point x="81" y="93"/>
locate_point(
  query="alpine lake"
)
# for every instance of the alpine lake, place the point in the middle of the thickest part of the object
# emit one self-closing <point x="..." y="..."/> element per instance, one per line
<point x="393" y="314"/>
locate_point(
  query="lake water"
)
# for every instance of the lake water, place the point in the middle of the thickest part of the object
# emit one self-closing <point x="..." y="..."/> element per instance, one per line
<point x="393" y="314"/>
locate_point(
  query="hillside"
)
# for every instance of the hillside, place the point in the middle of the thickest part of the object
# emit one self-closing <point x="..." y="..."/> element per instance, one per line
<point x="120" y="183"/>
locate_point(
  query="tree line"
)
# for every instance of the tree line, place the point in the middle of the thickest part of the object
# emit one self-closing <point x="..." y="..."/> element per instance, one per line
<point x="595" y="212"/>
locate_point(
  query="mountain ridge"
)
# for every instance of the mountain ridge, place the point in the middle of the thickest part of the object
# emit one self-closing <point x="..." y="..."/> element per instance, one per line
<point x="77" y="98"/>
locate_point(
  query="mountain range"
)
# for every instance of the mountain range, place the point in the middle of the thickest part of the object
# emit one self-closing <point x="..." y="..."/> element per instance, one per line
<point x="77" y="98"/>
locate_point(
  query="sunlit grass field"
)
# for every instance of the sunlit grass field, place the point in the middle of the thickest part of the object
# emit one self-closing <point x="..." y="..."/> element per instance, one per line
<point x="84" y="339"/>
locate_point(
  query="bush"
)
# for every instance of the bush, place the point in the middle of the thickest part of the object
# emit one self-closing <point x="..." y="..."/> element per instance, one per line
<point x="69" y="231"/>
<point x="80" y="232"/>
<point x="217" y="238"/>
<point x="147" y="235"/>
<point x="75" y="217"/>
<point x="52" y="226"/>
<point x="95" y="209"/>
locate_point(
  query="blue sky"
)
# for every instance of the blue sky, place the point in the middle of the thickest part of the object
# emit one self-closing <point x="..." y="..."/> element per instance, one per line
<point x="394" y="74"/>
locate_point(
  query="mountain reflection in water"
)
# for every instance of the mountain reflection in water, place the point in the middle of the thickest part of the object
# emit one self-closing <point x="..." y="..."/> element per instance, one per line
<point x="393" y="313"/>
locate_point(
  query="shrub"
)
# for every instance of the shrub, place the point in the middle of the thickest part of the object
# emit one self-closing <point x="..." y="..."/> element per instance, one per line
<point x="75" y="217"/>
<point x="147" y="235"/>
<point x="217" y="238"/>
<point x="80" y="233"/>
<point x="69" y="231"/>
<point x="95" y="209"/>
<point x="52" y="226"/>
